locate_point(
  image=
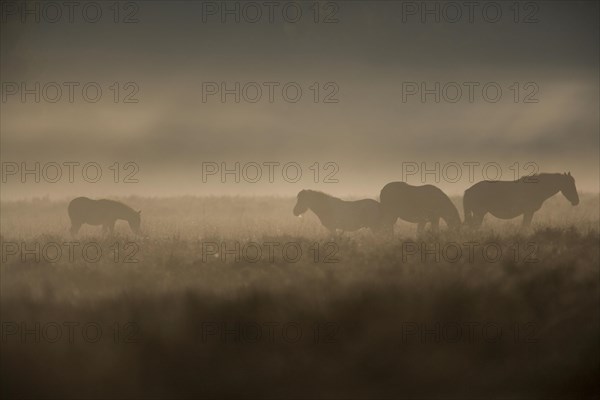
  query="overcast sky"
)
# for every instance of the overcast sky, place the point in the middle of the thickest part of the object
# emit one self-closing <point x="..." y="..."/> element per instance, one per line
<point x="365" y="113"/>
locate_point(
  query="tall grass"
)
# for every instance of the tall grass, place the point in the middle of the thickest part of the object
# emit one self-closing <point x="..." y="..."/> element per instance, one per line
<point x="376" y="323"/>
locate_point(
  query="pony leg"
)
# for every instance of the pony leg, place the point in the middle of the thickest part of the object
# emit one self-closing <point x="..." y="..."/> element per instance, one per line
<point x="477" y="220"/>
<point x="435" y="224"/>
<point x="468" y="218"/>
<point x="75" y="228"/>
<point x="527" y="219"/>
<point x="330" y="229"/>
<point x="337" y="233"/>
<point x="386" y="224"/>
<point x="467" y="211"/>
<point x="384" y="229"/>
<point x="383" y="226"/>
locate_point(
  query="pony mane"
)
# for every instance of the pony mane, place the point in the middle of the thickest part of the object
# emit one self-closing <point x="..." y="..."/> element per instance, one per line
<point x="321" y="194"/>
<point x="123" y="205"/>
<point x="541" y="175"/>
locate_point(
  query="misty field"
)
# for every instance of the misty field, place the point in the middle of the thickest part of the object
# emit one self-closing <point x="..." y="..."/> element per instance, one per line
<point x="235" y="297"/>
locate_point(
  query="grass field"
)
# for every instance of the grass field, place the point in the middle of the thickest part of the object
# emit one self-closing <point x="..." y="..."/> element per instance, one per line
<point x="294" y="311"/>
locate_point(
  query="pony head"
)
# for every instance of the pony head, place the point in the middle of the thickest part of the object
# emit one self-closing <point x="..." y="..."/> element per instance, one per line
<point x="301" y="203"/>
<point x="454" y="223"/>
<point x="568" y="189"/>
<point x="135" y="221"/>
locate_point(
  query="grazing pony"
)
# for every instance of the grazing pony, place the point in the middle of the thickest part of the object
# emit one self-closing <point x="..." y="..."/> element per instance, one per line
<point x="509" y="199"/>
<point x="83" y="210"/>
<point x="336" y="213"/>
<point x="417" y="204"/>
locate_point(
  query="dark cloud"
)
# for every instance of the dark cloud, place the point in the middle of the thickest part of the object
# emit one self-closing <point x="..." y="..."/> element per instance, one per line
<point x="368" y="54"/>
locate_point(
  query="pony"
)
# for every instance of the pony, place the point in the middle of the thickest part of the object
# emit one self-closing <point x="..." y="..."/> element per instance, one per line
<point x="339" y="214"/>
<point x="509" y="199"/>
<point x="83" y="210"/>
<point x="417" y="204"/>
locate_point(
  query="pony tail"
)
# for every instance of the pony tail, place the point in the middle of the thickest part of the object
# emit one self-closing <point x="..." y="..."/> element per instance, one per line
<point x="467" y="209"/>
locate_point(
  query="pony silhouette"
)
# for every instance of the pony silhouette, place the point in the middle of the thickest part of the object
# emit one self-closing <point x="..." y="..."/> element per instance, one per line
<point x="339" y="214"/>
<point x="509" y="199"/>
<point x="83" y="210"/>
<point x="417" y="204"/>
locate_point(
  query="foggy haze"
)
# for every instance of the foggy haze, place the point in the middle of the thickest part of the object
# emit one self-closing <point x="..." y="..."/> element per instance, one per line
<point x="368" y="130"/>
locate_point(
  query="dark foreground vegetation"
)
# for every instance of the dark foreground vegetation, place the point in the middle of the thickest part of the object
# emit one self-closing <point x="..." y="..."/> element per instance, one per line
<point x="361" y="317"/>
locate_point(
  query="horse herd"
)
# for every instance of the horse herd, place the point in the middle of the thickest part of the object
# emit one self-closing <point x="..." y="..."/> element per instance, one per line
<point x="417" y="204"/>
